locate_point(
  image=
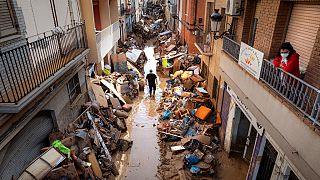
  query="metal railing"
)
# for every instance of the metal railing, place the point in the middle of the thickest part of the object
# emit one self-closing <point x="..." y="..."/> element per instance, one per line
<point x="297" y="92"/>
<point x="24" y="68"/>
<point x="204" y="42"/>
<point x="231" y="47"/>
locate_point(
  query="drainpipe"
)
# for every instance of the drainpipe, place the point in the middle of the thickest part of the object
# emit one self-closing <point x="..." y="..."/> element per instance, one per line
<point x="195" y="19"/>
<point x="195" y="13"/>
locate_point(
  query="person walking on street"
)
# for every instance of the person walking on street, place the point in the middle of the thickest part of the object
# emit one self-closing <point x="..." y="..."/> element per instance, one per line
<point x="151" y="82"/>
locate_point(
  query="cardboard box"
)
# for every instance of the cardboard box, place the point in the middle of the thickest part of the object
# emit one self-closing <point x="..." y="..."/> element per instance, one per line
<point x="203" y="113"/>
<point x="123" y="88"/>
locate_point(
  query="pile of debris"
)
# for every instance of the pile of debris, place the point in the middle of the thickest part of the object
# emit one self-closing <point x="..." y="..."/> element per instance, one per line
<point x="85" y="150"/>
<point x="154" y="9"/>
<point x="152" y="23"/>
<point x="188" y="128"/>
<point x="148" y="27"/>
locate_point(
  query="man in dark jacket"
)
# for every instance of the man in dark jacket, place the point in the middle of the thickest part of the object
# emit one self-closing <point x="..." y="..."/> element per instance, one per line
<point x="151" y="82"/>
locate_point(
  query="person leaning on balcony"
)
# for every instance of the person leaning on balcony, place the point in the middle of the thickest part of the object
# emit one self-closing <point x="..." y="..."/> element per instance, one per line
<point x="288" y="59"/>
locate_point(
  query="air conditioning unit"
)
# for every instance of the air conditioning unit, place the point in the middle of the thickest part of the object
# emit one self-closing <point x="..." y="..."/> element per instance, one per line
<point x="233" y="7"/>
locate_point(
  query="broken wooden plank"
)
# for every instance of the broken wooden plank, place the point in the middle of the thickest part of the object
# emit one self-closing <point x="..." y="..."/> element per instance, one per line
<point x="113" y="89"/>
<point x="95" y="165"/>
<point x="99" y="94"/>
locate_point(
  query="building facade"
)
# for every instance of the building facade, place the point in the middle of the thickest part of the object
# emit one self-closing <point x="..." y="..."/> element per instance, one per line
<point x="102" y="28"/>
<point x="270" y="121"/>
<point x="171" y="13"/>
<point x="191" y="21"/>
<point x="43" y="55"/>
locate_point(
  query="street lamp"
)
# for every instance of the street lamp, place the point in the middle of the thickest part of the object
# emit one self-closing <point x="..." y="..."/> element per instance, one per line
<point x="216" y="19"/>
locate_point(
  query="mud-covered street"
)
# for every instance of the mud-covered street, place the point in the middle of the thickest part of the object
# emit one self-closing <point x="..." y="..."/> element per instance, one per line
<point x="141" y="161"/>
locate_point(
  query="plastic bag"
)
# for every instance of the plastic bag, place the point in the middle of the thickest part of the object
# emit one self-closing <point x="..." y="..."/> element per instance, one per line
<point x="62" y="148"/>
<point x="166" y="115"/>
<point x="191" y="159"/>
<point x="194" y="169"/>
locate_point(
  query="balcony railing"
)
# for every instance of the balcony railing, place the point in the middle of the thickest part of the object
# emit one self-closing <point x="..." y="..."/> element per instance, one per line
<point x="26" y="67"/>
<point x="297" y="92"/>
<point x="231" y="47"/>
<point x="107" y="38"/>
<point x="204" y="43"/>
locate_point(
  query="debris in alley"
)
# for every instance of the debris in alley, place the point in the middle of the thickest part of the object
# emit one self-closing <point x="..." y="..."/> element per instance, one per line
<point x="188" y="126"/>
<point x="85" y="150"/>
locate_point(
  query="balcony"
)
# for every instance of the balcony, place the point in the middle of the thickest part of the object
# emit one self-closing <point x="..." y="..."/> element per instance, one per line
<point x="286" y="107"/>
<point x="107" y="38"/>
<point x="295" y="91"/>
<point x="203" y="43"/>
<point x="26" y="68"/>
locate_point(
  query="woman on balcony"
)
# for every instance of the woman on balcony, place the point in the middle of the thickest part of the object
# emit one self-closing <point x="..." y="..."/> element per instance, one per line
<point x="288" y="59"/>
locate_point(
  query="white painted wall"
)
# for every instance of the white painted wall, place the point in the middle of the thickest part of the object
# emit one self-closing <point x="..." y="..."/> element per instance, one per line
<point x="108" y="38"/>
<point x="38" y="14"/>
<point x="282" y="123"/>
<point x="229" y="132"/>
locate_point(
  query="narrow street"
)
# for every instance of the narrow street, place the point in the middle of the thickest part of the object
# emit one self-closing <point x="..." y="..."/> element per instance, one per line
<point x="141" y="161"/>
<point x="237" y="95"/>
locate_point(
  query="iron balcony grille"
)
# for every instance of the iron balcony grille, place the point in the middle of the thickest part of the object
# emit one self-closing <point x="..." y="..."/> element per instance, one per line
<point x="297" y="92"/>
<point x="204" y="42"/>
<point x="231" y="47"/>
<point x="24" y="68"/>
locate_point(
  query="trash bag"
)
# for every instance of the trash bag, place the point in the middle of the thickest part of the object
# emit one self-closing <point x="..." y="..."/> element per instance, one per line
<point x="194" y="169"/>
<point x="166" y="115"/>
<point x="191" y="159"/>
<point x="192" y="145"/>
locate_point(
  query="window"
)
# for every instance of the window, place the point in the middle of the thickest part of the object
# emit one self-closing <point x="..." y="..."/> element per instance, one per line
<point x="74" y="88"/>
<point x="253" y="31"/>
<point x="215" y="88"/>
<point x="293" y="176"/>
<point x="233" y="28"/>
<point x="7" y="21"/>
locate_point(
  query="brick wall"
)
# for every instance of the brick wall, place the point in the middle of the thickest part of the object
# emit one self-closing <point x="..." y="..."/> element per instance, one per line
<point x="280" y="27"/>
<point x="265" y="26"/>
<point x="247" y="20"/>
<point x="188" y="26"/>
<point x="313" y="69"/>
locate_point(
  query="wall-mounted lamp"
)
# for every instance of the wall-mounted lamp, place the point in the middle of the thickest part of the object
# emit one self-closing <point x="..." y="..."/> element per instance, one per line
<point x="216" y="19"/>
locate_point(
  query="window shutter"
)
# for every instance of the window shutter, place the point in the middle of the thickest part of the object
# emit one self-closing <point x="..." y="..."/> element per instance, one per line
<point x="7" y="25"/>
<point x="302" y="31"/>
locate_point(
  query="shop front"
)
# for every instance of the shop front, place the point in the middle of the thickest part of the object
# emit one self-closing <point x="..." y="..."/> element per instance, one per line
<point x="245" y="138"/>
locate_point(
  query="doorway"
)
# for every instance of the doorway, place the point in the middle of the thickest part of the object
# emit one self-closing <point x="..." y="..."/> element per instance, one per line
<point x="243" y="136"/>
<point x="267" y="162"/>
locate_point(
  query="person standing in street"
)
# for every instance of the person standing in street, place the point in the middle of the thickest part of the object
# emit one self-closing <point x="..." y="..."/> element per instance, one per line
<point x="151" y="82"/>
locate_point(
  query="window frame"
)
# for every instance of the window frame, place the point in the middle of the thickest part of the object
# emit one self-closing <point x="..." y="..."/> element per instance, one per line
<point x="74" y="89"/>
<point x="13" y="30"/>
<point x="215" y="87"/>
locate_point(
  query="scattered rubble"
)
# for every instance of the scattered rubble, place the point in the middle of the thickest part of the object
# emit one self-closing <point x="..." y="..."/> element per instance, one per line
<point x="85" y="150"/>
<point x="188" y="127"/>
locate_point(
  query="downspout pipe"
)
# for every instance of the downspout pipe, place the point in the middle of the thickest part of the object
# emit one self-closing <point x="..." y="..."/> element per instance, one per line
<point x="195" y="13"/>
